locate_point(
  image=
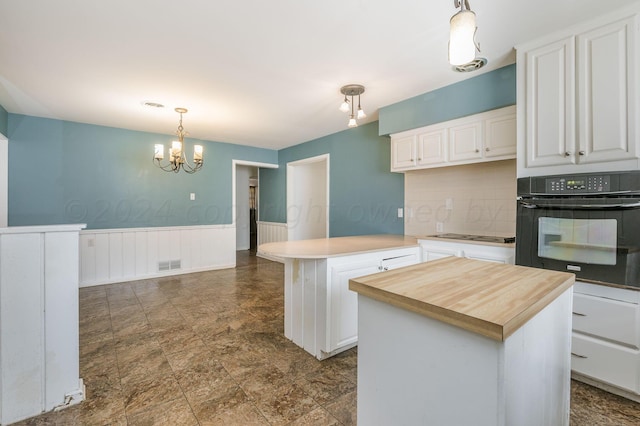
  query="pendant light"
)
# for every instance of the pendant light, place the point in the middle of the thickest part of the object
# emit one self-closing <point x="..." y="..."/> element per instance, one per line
<point x="462" y="44"/>
<point x="350" y="91"/>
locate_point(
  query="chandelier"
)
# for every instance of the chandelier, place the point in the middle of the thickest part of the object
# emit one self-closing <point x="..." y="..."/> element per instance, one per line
<point x="177" y="159"/>
<point x="462" y="43"/>
<point x="351" y="91"/>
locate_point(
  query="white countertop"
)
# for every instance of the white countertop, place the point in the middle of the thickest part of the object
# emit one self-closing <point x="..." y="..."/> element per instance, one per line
<point x="338" y="246"/>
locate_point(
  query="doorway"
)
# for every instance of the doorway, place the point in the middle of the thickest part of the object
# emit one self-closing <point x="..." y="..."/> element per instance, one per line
<point x="246" y="205"/>
<point x="4" y="181"/>
<point x="308" y="198"/>
<point x="245" y="182"/>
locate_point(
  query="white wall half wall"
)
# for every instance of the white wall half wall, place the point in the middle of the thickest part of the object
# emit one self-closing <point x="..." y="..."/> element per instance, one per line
<point x="271" y="232"/>
<point x="116" y="255"/>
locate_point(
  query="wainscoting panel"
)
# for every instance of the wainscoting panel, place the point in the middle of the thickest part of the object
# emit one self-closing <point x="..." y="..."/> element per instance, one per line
<point x="116" y="255"/>
<point x="271" y="232"/>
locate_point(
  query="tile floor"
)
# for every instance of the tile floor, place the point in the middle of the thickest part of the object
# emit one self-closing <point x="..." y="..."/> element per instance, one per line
<point x="208" y="349"/>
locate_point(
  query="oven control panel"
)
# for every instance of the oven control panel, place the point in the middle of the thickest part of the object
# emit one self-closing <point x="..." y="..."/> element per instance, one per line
<point x="578" y="185"/>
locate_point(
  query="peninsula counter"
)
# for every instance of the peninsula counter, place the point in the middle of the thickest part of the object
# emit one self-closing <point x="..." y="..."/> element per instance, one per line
<point x="320" y="312"/>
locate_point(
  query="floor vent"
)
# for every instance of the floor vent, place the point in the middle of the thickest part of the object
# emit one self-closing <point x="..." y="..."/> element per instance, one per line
<point x="168" y="265"/>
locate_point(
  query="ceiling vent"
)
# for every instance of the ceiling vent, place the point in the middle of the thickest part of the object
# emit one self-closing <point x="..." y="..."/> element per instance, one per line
<point x="476" y="64"/>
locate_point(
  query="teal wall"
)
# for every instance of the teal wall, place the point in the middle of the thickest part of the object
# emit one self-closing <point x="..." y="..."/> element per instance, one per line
<point x="65" y="172"/>
<point x="364" y="194"/>
<point x="485" y="92"/>
<point x="4" y="121"/>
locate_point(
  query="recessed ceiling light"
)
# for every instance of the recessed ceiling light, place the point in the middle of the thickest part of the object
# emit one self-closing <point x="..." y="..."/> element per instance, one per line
<point x="152" y="104"/>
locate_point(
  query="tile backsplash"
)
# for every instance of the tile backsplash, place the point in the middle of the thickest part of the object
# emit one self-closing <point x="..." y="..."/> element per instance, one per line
<point x="469" y="199"/>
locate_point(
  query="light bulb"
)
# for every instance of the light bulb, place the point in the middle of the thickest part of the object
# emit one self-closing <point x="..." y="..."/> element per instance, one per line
<point x="462" y="47"/>
<point x="352" y="122"/>
<point x="344" y="106"/>
<point x="361" y="113"/>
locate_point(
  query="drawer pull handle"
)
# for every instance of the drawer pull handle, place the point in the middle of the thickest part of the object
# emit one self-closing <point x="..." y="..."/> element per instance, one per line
<point x="579" y="356"/>
<point x="579" y="314"/>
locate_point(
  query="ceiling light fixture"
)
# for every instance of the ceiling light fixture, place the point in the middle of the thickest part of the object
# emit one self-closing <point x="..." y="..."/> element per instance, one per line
<point x="177" y="159"/>
<point x="351" y="91"/>
<point x="462" y="43"/>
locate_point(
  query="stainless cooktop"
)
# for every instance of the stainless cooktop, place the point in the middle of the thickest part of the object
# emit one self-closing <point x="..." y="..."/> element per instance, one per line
<point x="480" y="238"/>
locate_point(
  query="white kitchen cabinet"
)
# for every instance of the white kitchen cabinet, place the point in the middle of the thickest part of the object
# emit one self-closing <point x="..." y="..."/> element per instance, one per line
<point x="488" y="136"/>
<point x="577" y="99"/>
<point x="437" y="249"/>
<point x="321" y="313"/>
<point x="343" y="303"/>
<point x="403" y="151"/>
<point x="421" y="149"/>
<point x="606" y="338"/>
<point x="466" y="141"/>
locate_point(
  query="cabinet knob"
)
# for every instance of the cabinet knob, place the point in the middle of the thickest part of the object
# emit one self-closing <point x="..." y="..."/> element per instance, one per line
<point x="419" y="159"/>
<point x="567" y="154"/>
<point x="581" y="153"/>
<point x="386" y="268"/>
<point x="487" y="149"/>
<point x="477" y="150"/>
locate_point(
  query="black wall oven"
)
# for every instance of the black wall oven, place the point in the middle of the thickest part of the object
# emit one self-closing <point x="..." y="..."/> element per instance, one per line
<point x="588" y="224"/>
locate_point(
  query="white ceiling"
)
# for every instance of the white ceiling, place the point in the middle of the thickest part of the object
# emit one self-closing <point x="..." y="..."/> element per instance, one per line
<point x="251" y="72"/>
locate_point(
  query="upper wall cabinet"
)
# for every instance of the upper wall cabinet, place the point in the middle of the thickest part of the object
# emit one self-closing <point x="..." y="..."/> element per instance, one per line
<point x="578" y="99"/>
<point x="487" y="136"/>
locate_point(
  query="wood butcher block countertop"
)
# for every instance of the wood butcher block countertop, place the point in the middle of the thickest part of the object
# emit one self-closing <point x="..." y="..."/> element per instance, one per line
<point x="487" y="298"/>
<point x="339" y="246"/>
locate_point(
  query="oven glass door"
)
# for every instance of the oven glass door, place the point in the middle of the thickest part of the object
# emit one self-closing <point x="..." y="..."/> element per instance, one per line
<point x="592" y="241"/>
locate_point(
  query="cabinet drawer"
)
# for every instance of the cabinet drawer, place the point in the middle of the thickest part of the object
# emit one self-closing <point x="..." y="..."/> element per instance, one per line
<point x="605" y="361"/>
<point x="395" y="262"/>
<point x="606" y="318"/>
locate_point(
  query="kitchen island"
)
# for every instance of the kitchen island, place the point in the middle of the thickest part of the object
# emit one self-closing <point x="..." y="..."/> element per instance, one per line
<point x="320" y="312"/>
<point x="458" y="341"/>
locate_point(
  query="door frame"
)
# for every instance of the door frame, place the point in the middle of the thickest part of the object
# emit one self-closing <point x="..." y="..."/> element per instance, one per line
<point x="291" y="189"/>
<point x="4" y="181"/>
<point x="234" y="164"/>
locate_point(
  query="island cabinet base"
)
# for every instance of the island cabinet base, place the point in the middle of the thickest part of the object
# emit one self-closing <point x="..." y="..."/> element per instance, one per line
<point x="413" y="369"/>
<point x="320" y="312"/>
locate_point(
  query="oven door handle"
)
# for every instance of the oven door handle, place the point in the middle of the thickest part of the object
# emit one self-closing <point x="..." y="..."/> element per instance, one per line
<point x="616" y="206"/>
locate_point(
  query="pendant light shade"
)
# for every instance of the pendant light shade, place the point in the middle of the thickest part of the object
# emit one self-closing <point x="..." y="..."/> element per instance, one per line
<point x="462" y="46"/>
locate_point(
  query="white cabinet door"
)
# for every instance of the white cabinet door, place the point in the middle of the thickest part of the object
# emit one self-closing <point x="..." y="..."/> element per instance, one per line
<point x="609" y="319"/>
<point x="434" y="253"/>
<point x="550" y="105"/>
<point x="432" y="147"/>
<point x="606" y="87"/>
<point x="465" y="141"/>
<point x="403" y="152"/>
<point x="500" y="135"/>
<point x="343" y="303"/>
<point x="604" y="361"/>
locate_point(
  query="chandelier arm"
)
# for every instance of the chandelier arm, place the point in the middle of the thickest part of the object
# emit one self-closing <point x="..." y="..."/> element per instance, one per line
<point x="170" y="167"/>
<point x="187" y="166"/>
